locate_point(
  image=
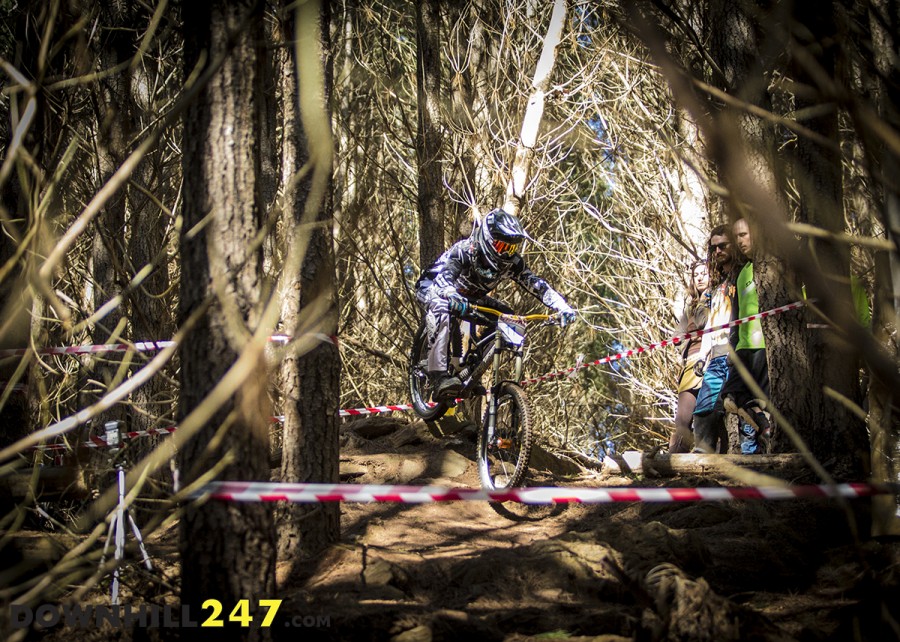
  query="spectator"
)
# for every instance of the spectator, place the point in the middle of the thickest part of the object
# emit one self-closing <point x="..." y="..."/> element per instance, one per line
<point x="693" y="317"/>
<point x="755" y="428"/>
<point x="709" y="428"/>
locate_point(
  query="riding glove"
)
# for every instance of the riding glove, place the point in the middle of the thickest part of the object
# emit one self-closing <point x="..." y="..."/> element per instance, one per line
<point x="457" y="304"/>
<point x="566" y="317"/>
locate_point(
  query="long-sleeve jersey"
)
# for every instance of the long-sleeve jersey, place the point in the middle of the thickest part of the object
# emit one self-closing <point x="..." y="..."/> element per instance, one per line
<point x="459" y="269"/>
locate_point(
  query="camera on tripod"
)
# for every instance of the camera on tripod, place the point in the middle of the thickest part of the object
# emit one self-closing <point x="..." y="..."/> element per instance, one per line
<point x="113" y="430"/>
<point x="118" y="525"/>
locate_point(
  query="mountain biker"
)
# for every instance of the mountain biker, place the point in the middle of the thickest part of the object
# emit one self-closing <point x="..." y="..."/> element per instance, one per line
<point x="466" y="273"/>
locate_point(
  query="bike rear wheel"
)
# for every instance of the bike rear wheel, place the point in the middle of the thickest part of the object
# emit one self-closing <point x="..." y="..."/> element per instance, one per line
<point x="420" y="388"/>
<point x="503" y="457"/>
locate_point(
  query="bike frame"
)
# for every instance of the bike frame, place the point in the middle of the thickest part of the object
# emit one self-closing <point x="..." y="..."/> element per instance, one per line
<point x="508" y="336"/>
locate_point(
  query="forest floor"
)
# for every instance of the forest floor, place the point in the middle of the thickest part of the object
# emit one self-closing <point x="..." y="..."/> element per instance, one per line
<point x="750" y="570"/>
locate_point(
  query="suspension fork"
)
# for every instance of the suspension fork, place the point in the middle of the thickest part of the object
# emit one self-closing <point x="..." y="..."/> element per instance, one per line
<point x="491" y="414"/>
<point x="492" y="394"/>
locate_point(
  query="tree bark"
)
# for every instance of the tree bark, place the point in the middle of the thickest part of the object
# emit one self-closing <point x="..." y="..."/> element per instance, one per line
<point x="833" y="432"/>
<point x="884" y="409"/>
<point x="429" y="135"/>
<point x="227" y="550"/>
<point x="114" y="111"/>
<point x="310" y="381"/>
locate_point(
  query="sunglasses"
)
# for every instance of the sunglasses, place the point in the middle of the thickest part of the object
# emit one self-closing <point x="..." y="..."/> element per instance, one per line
<point x="505" y="248"/>
<point x="720" y="246"/>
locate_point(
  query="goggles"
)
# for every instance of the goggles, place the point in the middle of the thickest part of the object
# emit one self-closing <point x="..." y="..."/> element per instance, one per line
<point x="506" y="249"/>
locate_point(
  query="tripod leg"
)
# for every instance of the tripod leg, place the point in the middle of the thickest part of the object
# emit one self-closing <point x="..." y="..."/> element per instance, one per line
<point x="109" y="533"/>
<point x="120" y="535"/>
<point x="120" y="553"/>
<point x="140" y="541"/>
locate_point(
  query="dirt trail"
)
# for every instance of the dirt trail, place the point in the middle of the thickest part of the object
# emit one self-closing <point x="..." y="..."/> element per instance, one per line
<point x="708" y="571"/>
<point x="477" y="571"/>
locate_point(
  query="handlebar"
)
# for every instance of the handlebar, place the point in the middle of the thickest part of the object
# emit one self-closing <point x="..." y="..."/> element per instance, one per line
<point x="515" y="317"/>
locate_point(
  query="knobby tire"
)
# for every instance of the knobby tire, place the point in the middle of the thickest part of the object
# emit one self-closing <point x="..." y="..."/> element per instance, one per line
<point x="419" y="387"/>
<point x="506" y="466"/>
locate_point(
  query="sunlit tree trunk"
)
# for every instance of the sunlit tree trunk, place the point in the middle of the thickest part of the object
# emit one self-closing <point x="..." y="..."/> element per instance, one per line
<point x="521" y="169"/>
<point x="227" y="550"/>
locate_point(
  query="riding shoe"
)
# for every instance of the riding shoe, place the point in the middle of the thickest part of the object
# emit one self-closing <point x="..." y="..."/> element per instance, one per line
<point x="446" y="386"/>
<point x="755" y="415"/>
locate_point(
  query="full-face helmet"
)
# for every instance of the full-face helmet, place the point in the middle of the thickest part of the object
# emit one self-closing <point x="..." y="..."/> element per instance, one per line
<point x="499" y="238"/>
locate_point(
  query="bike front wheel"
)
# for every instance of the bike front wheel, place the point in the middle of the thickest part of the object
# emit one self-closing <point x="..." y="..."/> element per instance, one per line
<point x="420" y="388"/>
<point x="503" y="455"/>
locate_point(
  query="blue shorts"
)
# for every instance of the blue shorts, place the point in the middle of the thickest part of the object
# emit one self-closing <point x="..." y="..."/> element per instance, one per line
<point x="713" y="379"/>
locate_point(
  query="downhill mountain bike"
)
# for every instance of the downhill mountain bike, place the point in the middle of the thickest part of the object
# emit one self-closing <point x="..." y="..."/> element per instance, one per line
<point x="479" y="342"/>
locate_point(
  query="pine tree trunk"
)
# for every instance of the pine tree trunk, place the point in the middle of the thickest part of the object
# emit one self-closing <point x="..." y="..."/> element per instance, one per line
<point x="884" y="409"/>
<point x="227" y="550"/>
<point x="310" y="381"/>
<point x="114" y="113"/>
<point x="834" y="433"/>
<point x="429" y="137"/>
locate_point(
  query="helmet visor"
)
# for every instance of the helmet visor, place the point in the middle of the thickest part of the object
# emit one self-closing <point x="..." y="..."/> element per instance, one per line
<point x="505" y="249"/>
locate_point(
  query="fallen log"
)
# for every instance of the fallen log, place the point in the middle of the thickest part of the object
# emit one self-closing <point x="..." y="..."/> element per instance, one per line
<point x="52" y="484"/>
<point x="783" y="466"/>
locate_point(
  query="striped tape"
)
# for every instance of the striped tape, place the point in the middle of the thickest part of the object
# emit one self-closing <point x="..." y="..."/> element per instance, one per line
<point x="355" y="412"/>
<point x="100" y="442"/>
<point x="138" y="346"/>
<point x="677" y="339"/>
<point x="569" y="372"/>
<point x="318" y="493"/>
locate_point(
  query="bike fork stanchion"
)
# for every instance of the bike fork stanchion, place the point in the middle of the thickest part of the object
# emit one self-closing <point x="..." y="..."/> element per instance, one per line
<point x="117" y="526"/>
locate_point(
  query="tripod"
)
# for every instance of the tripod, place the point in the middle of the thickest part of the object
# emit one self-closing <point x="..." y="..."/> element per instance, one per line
<point x="117" y="523"/>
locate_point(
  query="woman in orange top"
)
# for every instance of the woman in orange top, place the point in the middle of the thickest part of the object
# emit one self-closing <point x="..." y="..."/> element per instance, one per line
<point x="696" y="311"/>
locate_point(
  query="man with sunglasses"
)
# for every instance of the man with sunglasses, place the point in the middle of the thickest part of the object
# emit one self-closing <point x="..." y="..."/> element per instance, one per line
<point x="755" y="428"/>
<point x="468" y="272"/>
<point x="710" y="434"/>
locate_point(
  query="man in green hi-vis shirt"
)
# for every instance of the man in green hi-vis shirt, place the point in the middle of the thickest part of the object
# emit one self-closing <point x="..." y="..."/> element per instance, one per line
<point x="755" y="427"/>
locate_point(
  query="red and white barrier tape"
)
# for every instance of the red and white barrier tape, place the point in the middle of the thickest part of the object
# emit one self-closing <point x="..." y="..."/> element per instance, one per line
<point x="138" y="346"/>
<point x="671" y="341"/>
<point x="355" y="412"/>
<point x="100" y="442"/>
<point x="314" y="493"/>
